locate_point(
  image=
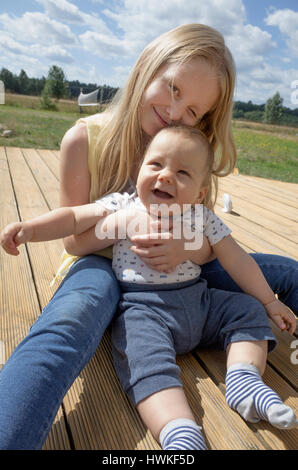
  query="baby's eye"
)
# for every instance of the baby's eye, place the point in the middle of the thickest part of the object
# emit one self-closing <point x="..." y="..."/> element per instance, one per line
<point x="156" y="164"/>
<point x="183" y="172"/>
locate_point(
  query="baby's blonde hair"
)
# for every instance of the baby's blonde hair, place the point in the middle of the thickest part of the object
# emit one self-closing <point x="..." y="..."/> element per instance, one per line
<point x="120" y="144"/>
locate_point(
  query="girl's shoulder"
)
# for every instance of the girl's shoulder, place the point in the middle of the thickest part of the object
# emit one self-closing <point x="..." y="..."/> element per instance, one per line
<point x="76" y="135"/>
<point x="95" y="120"/>
<point x="79" y="134"/>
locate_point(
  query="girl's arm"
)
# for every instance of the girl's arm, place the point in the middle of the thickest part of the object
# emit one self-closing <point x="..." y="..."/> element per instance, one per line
<point x="75" y="185"/>
<point x="246" y="273"/>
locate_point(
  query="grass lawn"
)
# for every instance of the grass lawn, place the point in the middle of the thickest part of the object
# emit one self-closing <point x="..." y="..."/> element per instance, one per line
<point x="267" y="154"/>
<point x="35" y="128"/>
<point x="263" y="150"/>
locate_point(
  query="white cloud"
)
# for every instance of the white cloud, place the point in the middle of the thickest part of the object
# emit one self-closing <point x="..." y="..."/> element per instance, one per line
<point x="10" y="45"/>
<point x="287" y="22"/>
<point x="54" y="53"/>
<point x="263" y="82"/>
<point x="16" y="49"/>
<point x="248" y="45"/>
<point x="63" y="10"/>
<point x="144" y="20"/>
<point x="38" y="28"/>
<point x="103" y="45"/>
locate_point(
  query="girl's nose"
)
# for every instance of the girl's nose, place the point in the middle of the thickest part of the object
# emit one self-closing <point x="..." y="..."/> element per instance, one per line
<point x="175" y="111"/>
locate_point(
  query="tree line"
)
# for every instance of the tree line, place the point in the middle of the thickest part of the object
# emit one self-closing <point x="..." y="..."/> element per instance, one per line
<point x="69" y="89"/>
<point x="55" y="86"/>
<point x="272" y="112"/>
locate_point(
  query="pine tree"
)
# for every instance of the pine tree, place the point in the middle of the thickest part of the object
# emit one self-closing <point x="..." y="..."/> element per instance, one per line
<point x="274" y="109"/>
<point x="56" y="83"/>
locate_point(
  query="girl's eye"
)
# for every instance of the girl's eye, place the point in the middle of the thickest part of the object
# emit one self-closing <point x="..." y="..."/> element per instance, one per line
<point x="194" y="114"/>
<point x="174" y="88"/>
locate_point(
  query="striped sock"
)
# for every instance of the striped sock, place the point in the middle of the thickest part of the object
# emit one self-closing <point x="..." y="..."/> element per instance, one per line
<point x="182" y="434"/>
<point x="253" y="400"/>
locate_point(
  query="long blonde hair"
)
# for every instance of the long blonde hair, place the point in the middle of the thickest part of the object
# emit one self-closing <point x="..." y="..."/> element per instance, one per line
<point x="120" y="146"/>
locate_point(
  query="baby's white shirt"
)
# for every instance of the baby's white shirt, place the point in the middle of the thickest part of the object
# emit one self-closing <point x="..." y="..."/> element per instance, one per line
<point x="128" y="267"/>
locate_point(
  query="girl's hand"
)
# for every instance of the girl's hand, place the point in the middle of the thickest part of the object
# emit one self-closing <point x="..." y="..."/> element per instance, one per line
<point x="160" y="251"/>
<point x="13" y="235"/>
<point x="281" y="315"/>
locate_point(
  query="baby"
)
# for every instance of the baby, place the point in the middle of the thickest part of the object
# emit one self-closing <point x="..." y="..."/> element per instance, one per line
<point x="163" y="314"/>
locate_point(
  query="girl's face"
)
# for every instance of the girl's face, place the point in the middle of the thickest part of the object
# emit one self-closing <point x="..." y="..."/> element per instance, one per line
<point x="178" y="94"/>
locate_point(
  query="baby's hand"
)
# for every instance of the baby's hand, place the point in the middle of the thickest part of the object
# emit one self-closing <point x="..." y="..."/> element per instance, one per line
<point x="281" y="315"/>
<point x="13" y="235"/>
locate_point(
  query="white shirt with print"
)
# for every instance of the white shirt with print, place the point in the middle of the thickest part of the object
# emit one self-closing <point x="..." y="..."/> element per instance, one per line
<point x="129" y="267"/>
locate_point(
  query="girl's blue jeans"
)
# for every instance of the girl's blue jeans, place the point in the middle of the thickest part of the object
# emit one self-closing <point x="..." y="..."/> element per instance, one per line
<point x="37" y="375"/>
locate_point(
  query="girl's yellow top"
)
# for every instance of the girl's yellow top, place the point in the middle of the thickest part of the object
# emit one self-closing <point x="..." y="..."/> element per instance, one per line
<point x="93" y="129"/>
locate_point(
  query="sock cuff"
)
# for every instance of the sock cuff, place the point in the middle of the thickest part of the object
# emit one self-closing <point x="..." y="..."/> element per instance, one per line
<point x="245" y="367"/>
<point x="176" y="423"/>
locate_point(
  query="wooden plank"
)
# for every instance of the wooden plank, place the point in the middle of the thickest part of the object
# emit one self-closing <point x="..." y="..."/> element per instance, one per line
<point x="50" y="160"/>
<point x="56" y="153"/>
<point x="236" y="189"/>
<point x="270" y="189"/>
<point x="251" y="240"/>
<point x="44" y="177"/>
<point x="267" y="237"/>
<point x="19" y="301"/>
<point x="262" y="218"/>
<point x="58" y="437"/>
<point x="283" y="185"/>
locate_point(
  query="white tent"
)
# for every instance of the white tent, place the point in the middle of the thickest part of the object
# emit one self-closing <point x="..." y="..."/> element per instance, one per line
<point x="89" y="99"/>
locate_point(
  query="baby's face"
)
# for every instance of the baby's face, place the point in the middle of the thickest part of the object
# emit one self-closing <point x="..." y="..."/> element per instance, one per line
<point x="173" y="171"/>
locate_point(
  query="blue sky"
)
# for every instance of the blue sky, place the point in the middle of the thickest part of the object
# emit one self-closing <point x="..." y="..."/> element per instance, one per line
<point x="99" y="40"/>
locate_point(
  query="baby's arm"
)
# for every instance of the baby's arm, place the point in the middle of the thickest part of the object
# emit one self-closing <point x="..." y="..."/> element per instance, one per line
<point x="246" y="273"/>
<point x="107" y="231"/>
<point x="203" y="255"/>
<point x="58" y="223"/>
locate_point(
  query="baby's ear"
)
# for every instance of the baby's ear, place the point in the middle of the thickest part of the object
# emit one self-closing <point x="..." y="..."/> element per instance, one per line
<point x="202" y="194"/>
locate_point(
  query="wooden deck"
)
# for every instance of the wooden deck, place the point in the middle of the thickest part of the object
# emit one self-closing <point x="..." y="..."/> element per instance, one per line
<point x="95" y="414"/>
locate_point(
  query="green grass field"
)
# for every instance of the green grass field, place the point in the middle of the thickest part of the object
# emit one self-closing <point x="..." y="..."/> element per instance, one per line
<point x="267" y="154"/>
<point x="35" y="128"/>
<point x="263" y="150"/>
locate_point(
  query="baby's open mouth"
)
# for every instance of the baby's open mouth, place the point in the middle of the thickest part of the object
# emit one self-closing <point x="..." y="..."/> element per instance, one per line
<point x="162" y="194"/>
